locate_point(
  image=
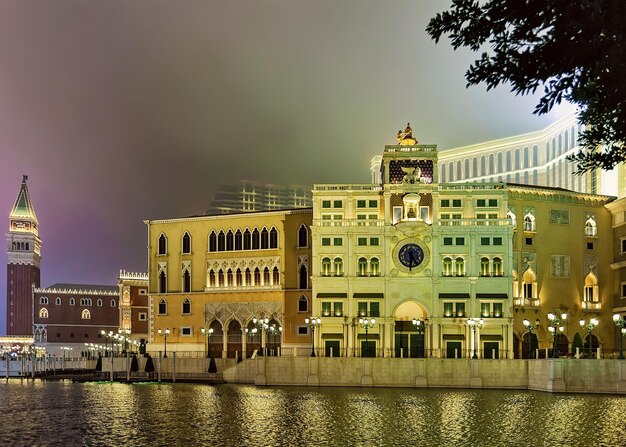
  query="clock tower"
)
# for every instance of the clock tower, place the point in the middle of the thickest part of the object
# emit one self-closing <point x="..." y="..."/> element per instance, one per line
<point x="23" y="263"/>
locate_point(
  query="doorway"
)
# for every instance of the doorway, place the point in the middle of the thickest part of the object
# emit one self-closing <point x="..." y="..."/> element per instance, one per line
<point x="491" y="350"/>
<point x="331" y="348"/>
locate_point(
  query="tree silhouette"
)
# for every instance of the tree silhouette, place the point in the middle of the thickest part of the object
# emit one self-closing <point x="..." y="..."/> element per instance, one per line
<point x="574" y="50"/>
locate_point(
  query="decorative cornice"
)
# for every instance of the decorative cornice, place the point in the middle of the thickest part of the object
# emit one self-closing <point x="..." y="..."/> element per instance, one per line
<point x="133" y="276"/>
<point x="75" y="291"/>
<point x="230" y="216"/>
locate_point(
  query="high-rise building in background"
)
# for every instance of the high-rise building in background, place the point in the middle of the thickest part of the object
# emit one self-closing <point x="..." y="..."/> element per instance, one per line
<point x="23" y="263"/>
<point x="250" y="196"/>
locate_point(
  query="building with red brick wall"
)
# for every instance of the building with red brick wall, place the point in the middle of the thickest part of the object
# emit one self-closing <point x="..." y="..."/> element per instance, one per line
<point x="133" y="305"/>
<point x="23" y="263"/>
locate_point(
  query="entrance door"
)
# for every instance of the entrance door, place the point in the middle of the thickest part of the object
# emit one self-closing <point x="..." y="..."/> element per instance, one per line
<point x="331" y="348"/>
<point x="402" y="345"/>
<point x="491" y="350"/>
<point x="368" y="348"/>
<point x="417" y="345"/>
<point x="453" y="349"/>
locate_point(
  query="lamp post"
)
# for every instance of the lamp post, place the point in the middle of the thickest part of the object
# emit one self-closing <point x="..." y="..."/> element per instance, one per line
<point x="208" y="333"/>
<point x="530" y="327"/>
<point x="165" y="334"/>
<point x="475" y="324"/>
<point x="620" y="323"/>
<point x="593" y="323"/>
<point x="555" y="326"/>
<point x="124" y="334"/>
<point x="251" y="333"/>
<point x="259" y="324"/>
<point x="367" y="323"/>
<point x="313" y="322"/>
<point x="65" y="349"/>
<point x="107" y="336"/>
<point x="420" y="327"/>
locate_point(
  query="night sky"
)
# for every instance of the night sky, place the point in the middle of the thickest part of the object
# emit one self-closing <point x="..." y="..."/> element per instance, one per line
<point x="121" y="111"/>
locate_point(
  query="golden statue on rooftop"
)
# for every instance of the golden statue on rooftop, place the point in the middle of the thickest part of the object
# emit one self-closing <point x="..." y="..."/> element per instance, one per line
<point x="406" y="138"/>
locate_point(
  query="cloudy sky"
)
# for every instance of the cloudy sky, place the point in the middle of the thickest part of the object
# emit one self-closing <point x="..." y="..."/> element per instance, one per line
<point x="121" y="111"/>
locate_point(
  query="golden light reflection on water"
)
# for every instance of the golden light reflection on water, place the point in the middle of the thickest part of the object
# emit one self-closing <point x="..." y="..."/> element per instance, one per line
<point x="188" y="415"/>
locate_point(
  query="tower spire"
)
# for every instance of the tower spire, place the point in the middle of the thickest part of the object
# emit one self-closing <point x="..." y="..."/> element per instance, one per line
<point x="23" y="212"/>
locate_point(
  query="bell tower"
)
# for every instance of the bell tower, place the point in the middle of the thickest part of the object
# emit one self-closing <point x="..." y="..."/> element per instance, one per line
<point x="23" y="263"/>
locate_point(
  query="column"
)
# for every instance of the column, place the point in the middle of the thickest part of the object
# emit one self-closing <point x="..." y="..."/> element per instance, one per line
<point x="244" y="341"/>
<point x="224" y="343"/>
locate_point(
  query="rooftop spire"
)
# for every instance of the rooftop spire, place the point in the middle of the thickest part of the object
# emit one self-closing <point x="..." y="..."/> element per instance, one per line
<point x="23" y="207"/>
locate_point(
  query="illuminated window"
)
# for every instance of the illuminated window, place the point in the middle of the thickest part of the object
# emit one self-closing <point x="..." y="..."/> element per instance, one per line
<point x="497" y="267"/>
<point x="529" y="222"/>
<point x="86" y="315"/>
<point x="529" y="284"/>
<point x="591" y="228"/>
<point x="238" y="278"/>
<point x="338" y="266"/>
<point x="459" y="266"/>
<point x="275" y="276"/>
<point x="326" y="267"/>
<point x="362" y="267"/>
<point x="43" y="313"/>
<point x="374" y="267"/>
<point x="591" y="288"/>
<point x="447" y="266"/>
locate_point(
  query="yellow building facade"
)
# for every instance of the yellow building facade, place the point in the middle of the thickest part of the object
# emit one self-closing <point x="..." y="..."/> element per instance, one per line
<point x="228" y="285"/>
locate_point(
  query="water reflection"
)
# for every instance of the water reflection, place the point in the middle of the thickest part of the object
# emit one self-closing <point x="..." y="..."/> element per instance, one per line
<point x="106" y="414"/>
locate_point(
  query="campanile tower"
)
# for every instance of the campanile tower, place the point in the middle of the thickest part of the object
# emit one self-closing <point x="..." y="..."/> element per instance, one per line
<point x="24" y="258"/>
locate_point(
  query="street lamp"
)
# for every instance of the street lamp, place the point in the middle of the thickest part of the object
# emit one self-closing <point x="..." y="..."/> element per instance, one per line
<point x="273" y="330"/>
<point x="259" y="324"/>
<point x="593" y="323"/>
<point x="208" y="333"/>
<point x="107" y="336"/>
<point x="420" y="327"/>
<point x="530" y="327"/>
<point x="165" y="334"/>
<point x="620" y="323"/>
<point x="124" y="334"/>
<point x="64" y="349"/>
<point x="555" y="326"/>
<point x="475" y="324"/>
<point x="313" y="322"/>
<point x="251" y="333"/>
<point x="367" y="323"/>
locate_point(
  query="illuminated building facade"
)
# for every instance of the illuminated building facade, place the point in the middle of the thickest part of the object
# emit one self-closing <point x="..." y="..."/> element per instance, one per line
<point x="413" y="248"/>
<point x="222" y="272"/>
<point x="251" y="196"/>
<point x="133" y="305"/>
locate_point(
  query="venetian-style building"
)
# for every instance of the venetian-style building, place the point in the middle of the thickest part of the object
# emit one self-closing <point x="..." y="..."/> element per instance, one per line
<point x="417" y="258"/>
<point x="23" y="263"/>
<point x="133" y="306"/>
<point x="220" y="273"/>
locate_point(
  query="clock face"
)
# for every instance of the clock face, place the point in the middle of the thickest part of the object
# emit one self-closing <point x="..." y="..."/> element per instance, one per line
<point x="411" y="255"/>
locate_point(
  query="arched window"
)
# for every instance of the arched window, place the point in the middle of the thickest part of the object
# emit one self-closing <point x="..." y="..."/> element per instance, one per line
<point x="491" y="167"/>
<point x="248" y="277"/>
<point x="255" y="239"/>
<point x="535" y="162"/>
<point x="497" y="267"/>
<point x="443" y="173"/>
<point x="266" y="276"/>
<point x="474" y="167"/>
<point x="499" y="162"/>
<point x="229" y="278"/>
<point x="257" y="277"/>
<point x="526" y="158"/>
<point x="362" y="267"/>
<point x="483" y="169"/>
<point x="516" y="159"/>
<point x="220" y="278"/>
<point x="273" y="238"/>
<point x="326" y="267"/>
<point x="374" y="267"/>
<point x="247" y="240"/>
<point x="529" y="285"/>
<point x="338" y="266"/>
<point x="264" y="239"/>
<point x="221" y="241"/>
<point x="467" y="168"/>
<point x="238" y="278"/>
<point x="303" y="304"/>
<point x="515" y="284"/>
<point x="447" y="266"/>
<point x="459" y="172"/>
<point x="529" y="222"/>
<point x="304" y="276"/>
<point x="450" y="172"/>
<point x="43" y="300"/>
<point x="459" y="266"/>
<point x="230" y="243"/>
<point x="560" y="144"/>
<point x="303" y="236"/>
<point x="275" y="276"/>
<point x="508" y="161"/>
<point x="186" y="282"/>
<point x="591" y="288"/>
<point x="99" y="303"/>
<point x="511" y="216"/>
<point x="85" y="315"/>
<point x="186" y="306"/>
<point x="57" y="301"/>
<point x="72" y="301"/>
<point x="566" y="141"/>
<point x="112" y="303"/>
<point x="212" y="278"/>
<point x="162" y="307"/>
<point x="212" y="242"/>
<point x="238" y="240"/>
<point x="591" y="229"/>
<point x="186" y="243"/>
<point x="162" y="244"/>
<point x="43" y="313"/>
<point x="535" y="177"/>
<point x="162" y="283"/>
<point x="484" y="266"/>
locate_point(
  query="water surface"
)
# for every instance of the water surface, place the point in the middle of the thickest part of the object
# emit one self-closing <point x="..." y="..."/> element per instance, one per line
<point x="105" y="414"/>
